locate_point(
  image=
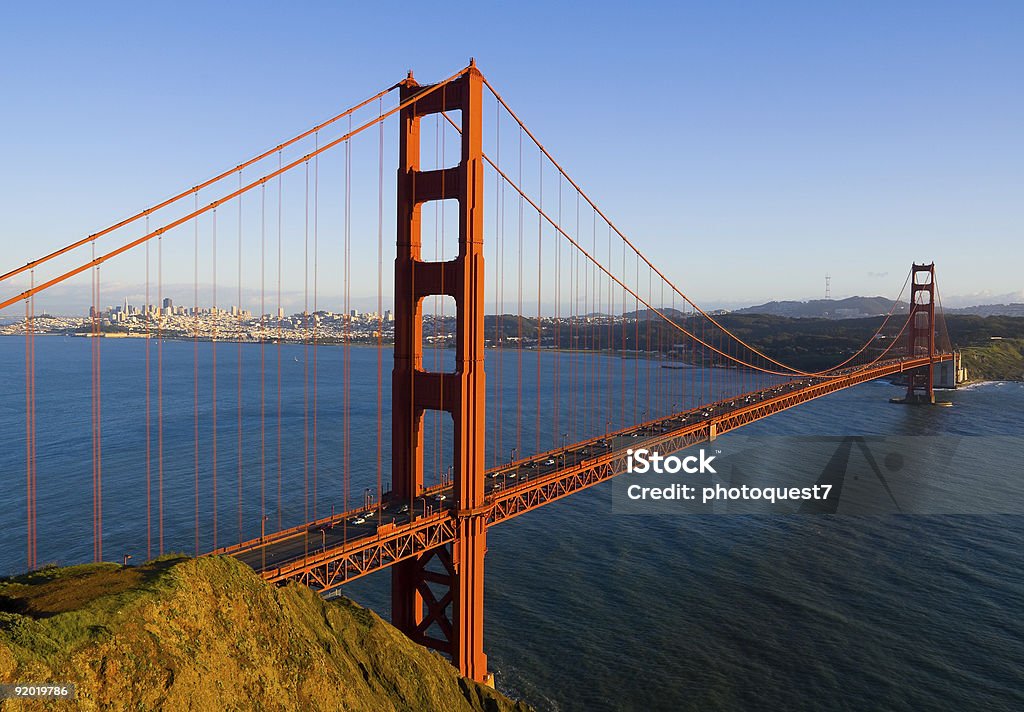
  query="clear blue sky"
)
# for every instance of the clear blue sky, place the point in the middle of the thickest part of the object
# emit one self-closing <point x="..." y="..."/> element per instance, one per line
<point x="750" y="146"/>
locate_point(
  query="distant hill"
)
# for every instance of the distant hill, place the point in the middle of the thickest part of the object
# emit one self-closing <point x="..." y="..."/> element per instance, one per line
<point x="849" y="308"/>
<point x="645" y="314"/>
<point x="991" y="310"/>
<point x="858" y="307"/>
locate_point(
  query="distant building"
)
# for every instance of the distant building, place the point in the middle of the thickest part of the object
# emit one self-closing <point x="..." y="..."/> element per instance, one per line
<point x="168" y="303"/>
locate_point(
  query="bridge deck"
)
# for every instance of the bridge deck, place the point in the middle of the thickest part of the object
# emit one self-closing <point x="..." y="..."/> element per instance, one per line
<point x="333" y="550"/>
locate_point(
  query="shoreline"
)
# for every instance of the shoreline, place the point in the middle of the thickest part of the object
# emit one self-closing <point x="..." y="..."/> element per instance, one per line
<point x="669" y="363"/>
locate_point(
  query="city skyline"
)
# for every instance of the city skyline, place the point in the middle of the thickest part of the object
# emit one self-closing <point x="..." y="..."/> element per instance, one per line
<point x="168" y="306"/>
<point x="294" y="303"/>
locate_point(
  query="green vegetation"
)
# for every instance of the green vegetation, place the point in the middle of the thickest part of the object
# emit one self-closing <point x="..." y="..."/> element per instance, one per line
<point x="830" y="308"/>
<point x="807" y="343"/>
<point x="969" y="330"/>
<point x="1001" y="360"/>
<point x="208" y="634"/>
<point x="815" y="343"/>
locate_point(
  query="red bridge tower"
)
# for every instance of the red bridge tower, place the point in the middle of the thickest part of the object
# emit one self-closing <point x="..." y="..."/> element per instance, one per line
<point x="921" y="333"/>
<point x="437" y="597"/>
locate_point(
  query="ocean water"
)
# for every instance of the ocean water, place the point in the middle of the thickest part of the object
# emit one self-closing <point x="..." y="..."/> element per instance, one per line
<point x="585" y="609"/>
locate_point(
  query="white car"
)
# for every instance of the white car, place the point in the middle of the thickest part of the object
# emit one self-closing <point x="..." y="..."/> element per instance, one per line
<point x="549" y="461"/>
<point x="357" y="520"/>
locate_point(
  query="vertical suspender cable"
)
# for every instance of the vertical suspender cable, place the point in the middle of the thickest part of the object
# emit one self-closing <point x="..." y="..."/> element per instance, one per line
<point x="99" y="434"/>
<point x="555" y="420"/>
<point x="97" y="491"/>
<point x="540" y="265"/>
<point x="609" y="356"/>
<point x="519" y="312"/>
<point x="30" y="500"/>
<point x="280" y="339"/>
<point x="238" y="314"/>
<point x="499" y="269"/>
<point x="160" y="391"/>
<point x="346" y="351"/>
<point x="305" y="362"/>
<point x="316" y="309"/>
<point x="149" y="434"/>
<point x="195" y="374"/>
<point x="636" y="343"/>
<point x="622" y="360"/>
<point x="213" y="388"/>
<point x="263" y="359"/>
<point x="32" y="420"/>
<point x="380" y="315"/>
<point x="579" y="367"/>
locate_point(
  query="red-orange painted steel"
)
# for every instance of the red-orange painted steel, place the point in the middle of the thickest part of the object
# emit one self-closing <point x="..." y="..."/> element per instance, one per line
<point x="415" y="610"/>
<point x="921" y="334"/>
<point x="394" y="543"/>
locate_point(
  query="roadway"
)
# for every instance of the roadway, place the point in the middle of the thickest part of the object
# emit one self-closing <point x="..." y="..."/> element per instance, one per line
<point x="344" y="546"/>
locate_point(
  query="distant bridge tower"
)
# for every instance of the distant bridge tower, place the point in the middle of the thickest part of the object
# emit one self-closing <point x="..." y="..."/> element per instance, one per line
<point x="921" y="333"/>
<point x="437" y="597"/>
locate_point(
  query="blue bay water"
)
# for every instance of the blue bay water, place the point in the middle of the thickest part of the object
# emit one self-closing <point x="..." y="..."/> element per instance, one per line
<point x="585" y="609"/>
<point x="305" y="443"/>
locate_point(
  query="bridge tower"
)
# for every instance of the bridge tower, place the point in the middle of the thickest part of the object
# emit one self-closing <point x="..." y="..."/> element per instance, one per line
<point x="437" y="597"/>
<point x="921" y="332"/>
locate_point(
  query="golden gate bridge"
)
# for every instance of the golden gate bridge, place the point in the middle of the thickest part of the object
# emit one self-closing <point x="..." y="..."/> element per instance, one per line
<point x="575" y="307"/>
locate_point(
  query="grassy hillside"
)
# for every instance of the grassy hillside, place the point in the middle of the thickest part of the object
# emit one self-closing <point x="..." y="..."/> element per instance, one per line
<point x="995" y="361"/>
<point x="208" y="634"/>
